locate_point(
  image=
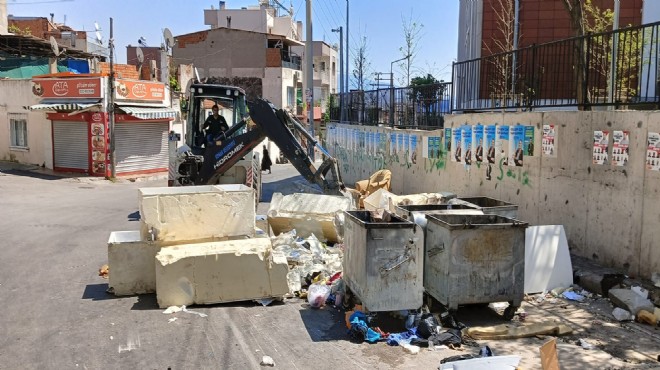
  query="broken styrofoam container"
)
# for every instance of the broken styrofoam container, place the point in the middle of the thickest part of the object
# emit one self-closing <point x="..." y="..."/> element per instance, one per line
<point x="622" y="315"/>
<point x="217" y="272"/>
<point x="640" y="291"/>
<point x="196" y="213"/>
<point x="627" y="299"/>
<point x="547" y="259"/>
<point x="131" y="261"/>
<point x="307" y="214"/>
<point x="483" y="363"/>
<point x="379" y="199"/>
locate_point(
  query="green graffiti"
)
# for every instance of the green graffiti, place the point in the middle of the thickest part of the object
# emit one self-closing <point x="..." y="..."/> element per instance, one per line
<point x="519" y="175"/>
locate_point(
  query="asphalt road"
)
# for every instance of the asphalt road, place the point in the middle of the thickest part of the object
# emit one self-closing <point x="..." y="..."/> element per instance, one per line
<point x="55" y="312"/>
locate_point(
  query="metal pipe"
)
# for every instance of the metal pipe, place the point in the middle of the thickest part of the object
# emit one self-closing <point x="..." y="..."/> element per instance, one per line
<point x="516" y="26"/>
<point x="309" y="76"/>
<point x="341" y="72"/>
<point x="615" y="46"/>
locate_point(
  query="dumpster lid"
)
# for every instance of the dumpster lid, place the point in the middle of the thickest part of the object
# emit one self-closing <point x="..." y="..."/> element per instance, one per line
<point x="450" y="221"/>
<point x="433" y="207"/>
<point x="370" y="220"/>
<point x="486" y="202"/>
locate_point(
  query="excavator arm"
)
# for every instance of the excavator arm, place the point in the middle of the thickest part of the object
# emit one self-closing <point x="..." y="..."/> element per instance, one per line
<point x="274" y="124"/>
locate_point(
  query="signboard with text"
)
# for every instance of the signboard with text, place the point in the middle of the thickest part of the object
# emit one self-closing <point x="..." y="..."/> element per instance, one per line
<point x="88" y="87"/>
<point x="139" y="90"/>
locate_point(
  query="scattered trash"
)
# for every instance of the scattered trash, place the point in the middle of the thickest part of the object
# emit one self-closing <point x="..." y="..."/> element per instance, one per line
<point x="492" y="363"/>
<point x="267" y="361"/>
<point x="184" y="309"/>
<point x="411" y="349"/>
<point x="428" y="326"/>
<point x="173" y="309"/>
<point x="570" y="295"/>
<point x="456" y="358"/>
<point x="112" y="338"/>
<point x="557" y="291"/>
<point x="510" y="332"/>
<point x="655" y="277"/>
<point x="360" y="330"/>
<point x="640" y="291"/>
<point x="622" y="315"/>
<point x="586" y="345"/>
<point x="486" y="352"/>
<point x="646" y="317"/>
<point x="265" y="302"/>
<point x="172" y="320"/>
<point x="549" y="359"/>
<point x="317" y="294"/>
<point x="104" y="271"/>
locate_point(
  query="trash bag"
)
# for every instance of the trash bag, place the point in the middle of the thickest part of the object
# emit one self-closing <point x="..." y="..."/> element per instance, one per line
<point x="448" y="337"/>
<point x="428" y="326"/>
<point x="457" y="358"/>
<point x="317" y="294"/>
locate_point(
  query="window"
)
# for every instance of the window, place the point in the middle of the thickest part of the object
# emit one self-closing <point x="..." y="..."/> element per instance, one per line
<point x="18" y="130"/>
<point x="290" y="96"/>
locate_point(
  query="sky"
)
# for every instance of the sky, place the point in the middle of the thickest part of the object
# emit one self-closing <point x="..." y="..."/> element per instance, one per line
<point x="379" y="21"/>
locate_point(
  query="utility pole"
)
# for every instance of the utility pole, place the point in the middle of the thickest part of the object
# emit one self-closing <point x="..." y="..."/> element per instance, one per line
<point x="341" y="72"/>
<point x="392" y="88"/>
<point x="111" y="105"/>
<point x="348" y="50"/>
<point x="309" y="78"/>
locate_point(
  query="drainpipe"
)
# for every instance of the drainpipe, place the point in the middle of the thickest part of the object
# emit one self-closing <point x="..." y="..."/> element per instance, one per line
<point x="615" y="42"/>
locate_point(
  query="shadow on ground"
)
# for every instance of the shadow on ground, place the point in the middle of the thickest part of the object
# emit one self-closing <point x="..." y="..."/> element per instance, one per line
<point x="324" y="324"/>
<point x="98" y="292"/>
<point x="33" y="174"/>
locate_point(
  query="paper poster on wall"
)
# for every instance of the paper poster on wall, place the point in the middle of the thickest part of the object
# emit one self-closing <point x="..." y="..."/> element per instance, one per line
<point x="529" y="141"/>
<point x="490" y="143"/>
<point x="399" y="145"/>
<point x="601" y="146"/>
<point x="516" y="145"/>
<point x="653" y="152"/>
<point x="466" y="144"/>
<point x="549" y="141"/>
<point x="478" y="143"/>
<point x="413" y="149"/>
<point x="447" y="142"/>
<point x="392" y="144"/>
<point x="406" y="148"/>
<point x="426" y="147"/>
<point x="502" y="145"/>
<point x="620" y="148"/>
<point x="370" y="143"/>
<point x="434" y="147"/>
<point x="456" y="153"/>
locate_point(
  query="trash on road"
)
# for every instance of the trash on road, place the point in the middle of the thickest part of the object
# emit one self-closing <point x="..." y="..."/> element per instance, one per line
<point x="505" y="331"/>
<point x="104" y="271"/>
<point x="317" y="294"/>
<point x="647" y="317"/>
<point x="572" y="296"/>
<point x="172" y="320"/>
<point x="265" y="302"/>
<point x="622" y="315"/>
<point x="267" y="361"/>
<point x="173" y="309"/>
<point x="586" y="345"/>
<point x="640" y="291"/>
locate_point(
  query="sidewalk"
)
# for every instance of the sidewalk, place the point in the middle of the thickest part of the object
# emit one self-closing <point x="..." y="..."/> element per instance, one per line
<point x="20" y="169"/>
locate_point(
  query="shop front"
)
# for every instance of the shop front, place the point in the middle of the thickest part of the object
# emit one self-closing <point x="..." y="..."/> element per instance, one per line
<point x="78" y="108"/>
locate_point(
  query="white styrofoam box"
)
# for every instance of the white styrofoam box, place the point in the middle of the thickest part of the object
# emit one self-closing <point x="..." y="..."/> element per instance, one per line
<point x="196" y="213"/>
<point x="216" y="272"/>
<point x="131" y="262"/>
<point x="308" y="214"/>
<point x="547" y="259"/>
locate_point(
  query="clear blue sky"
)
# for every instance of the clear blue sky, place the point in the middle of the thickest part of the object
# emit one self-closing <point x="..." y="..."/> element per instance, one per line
<point x="380" y="21"/>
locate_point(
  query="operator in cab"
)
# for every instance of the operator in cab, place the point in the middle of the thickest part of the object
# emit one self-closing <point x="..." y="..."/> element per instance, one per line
<point x="215" y="126"/>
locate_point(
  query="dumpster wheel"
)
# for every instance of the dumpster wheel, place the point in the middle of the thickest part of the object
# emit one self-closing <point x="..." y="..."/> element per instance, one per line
<point x="509" y="312"/>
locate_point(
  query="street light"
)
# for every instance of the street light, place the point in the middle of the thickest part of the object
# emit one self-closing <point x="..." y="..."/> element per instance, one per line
<point x="392" y="88"/>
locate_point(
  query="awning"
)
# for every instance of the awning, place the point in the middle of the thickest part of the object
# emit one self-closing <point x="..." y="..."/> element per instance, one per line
<point x="61" y="106"/>
<point x="149" y="112"/>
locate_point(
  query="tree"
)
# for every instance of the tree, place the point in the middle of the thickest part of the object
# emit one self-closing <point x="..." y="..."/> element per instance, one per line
<point x="412" y="32"/>
<point x="427" y="91"/>
<point x="502" y="42"/>
<point x="361" y="63"/>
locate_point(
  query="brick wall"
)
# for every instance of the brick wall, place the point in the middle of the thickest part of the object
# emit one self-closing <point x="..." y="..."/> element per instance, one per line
<point x="121" y="70"/>
<point x="38" y="27"/>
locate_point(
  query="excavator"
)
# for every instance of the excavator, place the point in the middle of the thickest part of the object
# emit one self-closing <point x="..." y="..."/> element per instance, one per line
<point x="229" y="158"/>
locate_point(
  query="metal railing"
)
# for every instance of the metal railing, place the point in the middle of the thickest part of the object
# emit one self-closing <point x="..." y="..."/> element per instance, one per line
<point x="576" y="72"/>
<point x="422" y="106"/>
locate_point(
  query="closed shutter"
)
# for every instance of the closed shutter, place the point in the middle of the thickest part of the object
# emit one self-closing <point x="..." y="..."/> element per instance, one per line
<point x="70" y="145"/>
<point x="141" y="146"/>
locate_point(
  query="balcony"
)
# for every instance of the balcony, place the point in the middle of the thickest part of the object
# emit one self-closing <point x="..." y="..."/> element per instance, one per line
<point x="276" y="57"/>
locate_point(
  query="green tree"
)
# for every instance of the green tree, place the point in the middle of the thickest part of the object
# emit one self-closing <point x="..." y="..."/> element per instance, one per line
<point x="426" y="92"/>
<point x="412" y="33"/>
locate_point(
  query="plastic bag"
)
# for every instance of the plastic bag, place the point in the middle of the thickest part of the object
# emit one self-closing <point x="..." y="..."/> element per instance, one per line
<point x="317" y="294"/>
<point x="428" y="326"/>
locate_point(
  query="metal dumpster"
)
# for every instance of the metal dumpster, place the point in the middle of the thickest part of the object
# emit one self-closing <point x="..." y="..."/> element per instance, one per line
<point x="417" y="213"/>
<point x="491" y="206"/>
<point x="383" y="261"/>
<point x="475" y="259"/>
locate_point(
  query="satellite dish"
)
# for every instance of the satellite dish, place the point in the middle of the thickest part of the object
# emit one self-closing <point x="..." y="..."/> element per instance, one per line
<point x="169" y="40"/>
<point x="99" y="38"/>
<point x="140" y="55"/>
<point x="54" y="47"/>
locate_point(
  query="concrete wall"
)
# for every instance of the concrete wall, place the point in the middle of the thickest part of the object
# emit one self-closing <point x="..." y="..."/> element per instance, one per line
<point x="14" y="95"/>
<point x="222" y="53"/>
<point x="610" y="213"/>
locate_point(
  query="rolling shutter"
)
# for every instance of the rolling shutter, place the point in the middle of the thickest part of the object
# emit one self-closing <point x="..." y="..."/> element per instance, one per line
<point x="141" y="146"/>
<point x="70" y="145"/>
